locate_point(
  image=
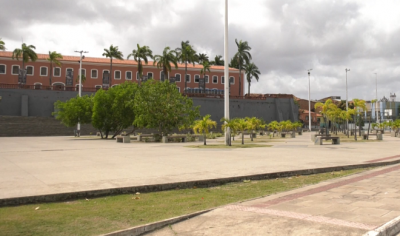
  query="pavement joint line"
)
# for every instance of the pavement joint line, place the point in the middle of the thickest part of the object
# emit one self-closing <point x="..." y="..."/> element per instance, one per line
<point x="67" y="196"/>
<point x="301" y="216"/>
<point x="382" y="159"/>
<point x="325" y="187"/>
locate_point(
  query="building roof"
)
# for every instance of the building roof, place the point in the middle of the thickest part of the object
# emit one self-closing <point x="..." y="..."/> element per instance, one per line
<point x="115" y="61"/>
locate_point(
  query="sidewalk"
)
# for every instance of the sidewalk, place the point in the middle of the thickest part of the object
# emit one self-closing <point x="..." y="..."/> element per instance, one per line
<point x="352" y="205"/>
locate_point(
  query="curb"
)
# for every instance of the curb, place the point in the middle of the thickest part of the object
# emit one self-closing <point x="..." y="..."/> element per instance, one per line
<point x="67" y="196"/>
<point x="142" y="229"/>
<point x="388" y="229"/>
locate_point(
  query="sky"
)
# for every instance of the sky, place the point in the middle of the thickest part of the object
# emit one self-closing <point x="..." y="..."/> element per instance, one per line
<point x="287" y="37"/>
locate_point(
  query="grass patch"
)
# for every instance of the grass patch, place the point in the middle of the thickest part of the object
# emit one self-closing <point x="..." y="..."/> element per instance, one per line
<point x="107" y="214"/>
<point x="229" y="147"/>
<point x="344" y="138"/>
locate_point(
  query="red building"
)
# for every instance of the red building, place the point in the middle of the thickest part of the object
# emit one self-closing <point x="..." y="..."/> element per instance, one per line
<point x="38" y="74"/>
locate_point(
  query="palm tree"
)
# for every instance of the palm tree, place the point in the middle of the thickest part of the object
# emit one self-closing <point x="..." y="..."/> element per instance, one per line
<point x="202" y="57"/>
<point x="218" y="61"/>
<point x="272" y="126"/>
<point x="251" y="70"/>
<point x="26" y="53"/>
<point x="232" y="125"/>
<point x="359" y="105"/>
<point x="112" y="52"/>
<point x="139" y="54"/>
<point x="186" y="55"/>
<point x="54" y="60"/>
<point x="206" y="67"/>
<point x="2" y="47"/>
<point x="242" y="55"/>
<point x="253" y="124"/>
<point x="326" y="107"/>
<point x="369" y="123"/>
<point x="164" y="61"/>
<point x="242" y="125"/>
<point x="203" y="126"/>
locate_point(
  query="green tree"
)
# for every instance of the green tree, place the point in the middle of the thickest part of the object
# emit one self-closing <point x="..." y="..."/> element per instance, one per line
<point x="203" y="126"/>
<point x="2" y="45"/>
<point x="233" y="63"/>
<point x="232" y="125"/>
<point x="161" y="106"/>
<point x="242" y="125"/>
<point x="206" y="67"/>
<point x="253" y="124"/>
<point x="251" y="71"/>
<point x="139" y="54"/>
<point x="26" y="52"/>
<point x="272" y="126"/>
<point x="325" y="109"/>
<point x="218" y="61"/>
<point x="54" y="58"/>
<point x="359" y="106"/>
<point x="186" y="54"/>
<point x="165" y="60"/>
<point x="242" y="56"/>
<point x="202" y="57"/>
<point x="111" y="53"/>
<point x="74" y="110"/>
<point x="113" y="110"/>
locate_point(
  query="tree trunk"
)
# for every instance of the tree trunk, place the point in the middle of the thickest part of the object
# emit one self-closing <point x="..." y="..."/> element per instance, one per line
<point x="355" y="127"/>
<point x="51" y="72"/>
<point x="185" y="76"/>
<point x="140" y="74"/>
<point x="240" y="72"/>
<point x="369" y="125"/>
<point x="242" y="137"/>
<point x="204" y="135"/>
<point x="251" y="135"/>
<point x="248" y="94"/>
<point x="110" y="72"/>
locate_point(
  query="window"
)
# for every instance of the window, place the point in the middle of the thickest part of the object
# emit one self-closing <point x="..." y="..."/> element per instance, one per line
<point x="2" y="69"/>
<point x="137" y="75"/>
<point x="179" y="89"/>
<point x="57" y="71"/>
<point x="206" y="77"/>
<point x="232" y="80"/>
<point x="29" y="70"/>
<point x="37" y="85"/>
<point x="128" y="75"/>
<point x="188" y="78"/>
<point x="97" y="87"/>
<point x="43" y="71"/>
<point x="70" y="69"/>
<point x="178" y="77"/>
<point x="196" y="78"/>
<point x="117" y="74"/>
<point x="15" y="70"/>
<point x="77" y="87"/>
<point x="83" y="72"/>
<point x="94" y="74"/>
<point x="149" y="75"/>
<point x="162" y="76"/>
<point x="222" y="80"/>
<point x="215" y="79"/>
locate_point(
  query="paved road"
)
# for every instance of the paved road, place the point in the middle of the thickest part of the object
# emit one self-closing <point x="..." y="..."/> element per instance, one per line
<point x="44" y="165"/>
<point x="352" y="205"/>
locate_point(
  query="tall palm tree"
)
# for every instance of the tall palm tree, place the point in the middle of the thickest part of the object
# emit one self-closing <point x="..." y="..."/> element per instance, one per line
<point x="112" y="52"/>
<point x="139" y="54"/>
<point x="164" y="61"/>
<point x="251" y="70"/>
<point x="241" y="56"/>
<point x="26" y="53"/>
<point x="206" y="67"/>
<point x="218" y="61"/>
<point x="203" y="126"/>
<point x="2" y="45"/>
<point x="202" y="57"/>
<point x="54" y="60"/>
<point x="359" y="106"/>
<point x="326" y="108"/>
<point x="232" y="125"/>
<point x="186" y="54"/>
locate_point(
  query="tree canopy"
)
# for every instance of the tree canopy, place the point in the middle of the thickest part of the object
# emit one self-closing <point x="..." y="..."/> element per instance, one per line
<point x="74" y="110"/>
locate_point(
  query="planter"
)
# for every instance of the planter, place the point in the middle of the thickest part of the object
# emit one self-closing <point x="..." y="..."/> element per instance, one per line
<point x="379" y="137"/>
<point x="293" y="134"/>
<point x="283" y="135"/>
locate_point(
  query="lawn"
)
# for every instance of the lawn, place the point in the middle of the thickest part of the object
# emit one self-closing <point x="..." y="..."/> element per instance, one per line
<point x="107" y="214"/>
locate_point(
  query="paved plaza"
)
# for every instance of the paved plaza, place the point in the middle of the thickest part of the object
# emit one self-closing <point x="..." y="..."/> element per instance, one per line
<point x="44" y="165"/>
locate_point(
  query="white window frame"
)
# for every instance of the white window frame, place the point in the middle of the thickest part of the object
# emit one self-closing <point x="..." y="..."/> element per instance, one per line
<point x="33" y="71"/>
<point x="5" y="69"/>
<point x="97" y="74"/>
<point x="12" y="69"/>
<point x="137" y="75"/>
<point x="207" y="81"/>
<point x="105" y="70"/>
<point x="194" y="79"/>
<point x="85" y="71"/>
<point x="179" y="89"/>
<point x="95" y="87"/>
<point x="126" y="77"/>
<point x="161" y="73"/>
<point x="213" y="79"/>
<point x="54" y="69"/>
<point x="114" y="85"/>
<point x="190" y="78"/>
<point x="66" y="70"/>
<point x="152" y="75"/>
<point x="58" y="83"/>
<point x="222" y="79"/>
<point x="179" y="76"/>
<point x="77" y="87"/>
<point x="233" y="80"/>
<point x="120" y="75"/>
<point x="47" y="71"/>
<point x="37" y="83"/>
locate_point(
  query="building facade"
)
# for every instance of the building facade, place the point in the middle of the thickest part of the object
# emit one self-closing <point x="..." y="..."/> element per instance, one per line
<point x="94" y="69"/>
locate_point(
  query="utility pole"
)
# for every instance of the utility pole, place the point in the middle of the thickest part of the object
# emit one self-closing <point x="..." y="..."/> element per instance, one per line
<point x="78" y="131"/>
<point x="226" y="75"/>
<point x="376" y="97"/>
<point x="347" y="104"/>
<point x="309" y="102"/>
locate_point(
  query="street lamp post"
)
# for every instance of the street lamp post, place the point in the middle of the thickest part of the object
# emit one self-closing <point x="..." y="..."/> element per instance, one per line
<point x="376" y="97"/>
<point x="226" y="74"/>
<point x="309" y="102"/>
<point x="347" y="105"/>
<point x="78" y="129"/>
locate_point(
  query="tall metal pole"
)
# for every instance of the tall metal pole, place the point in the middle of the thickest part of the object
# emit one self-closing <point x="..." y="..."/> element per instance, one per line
<point x="80" y="85"/>
<point x="376" y="97"/>
<point x="347" y="105"/>
<point x="226" y="74"/>
<point x="309" y="101"/>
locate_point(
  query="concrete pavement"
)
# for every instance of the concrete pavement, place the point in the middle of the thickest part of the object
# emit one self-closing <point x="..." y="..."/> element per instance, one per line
<point x="352" y="205"/>
<point x="32" y="166"/>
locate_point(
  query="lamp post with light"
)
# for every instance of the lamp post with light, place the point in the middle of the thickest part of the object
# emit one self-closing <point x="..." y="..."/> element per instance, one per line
<point x="226" y="75"/>
<point x="376" y="97"/>
<point x="80" y="83"/>
<point x="309" y="102"/>
<point x="347" y="104"/>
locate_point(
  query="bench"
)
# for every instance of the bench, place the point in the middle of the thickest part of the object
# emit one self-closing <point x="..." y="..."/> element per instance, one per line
<point x="166" y="139"/>
<point x="314" y="136"/>
<point x="141" y="136"/>
<point x="378" y="136"/>
<point x="123" y="139"/>
<point x="319" y="140"/>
